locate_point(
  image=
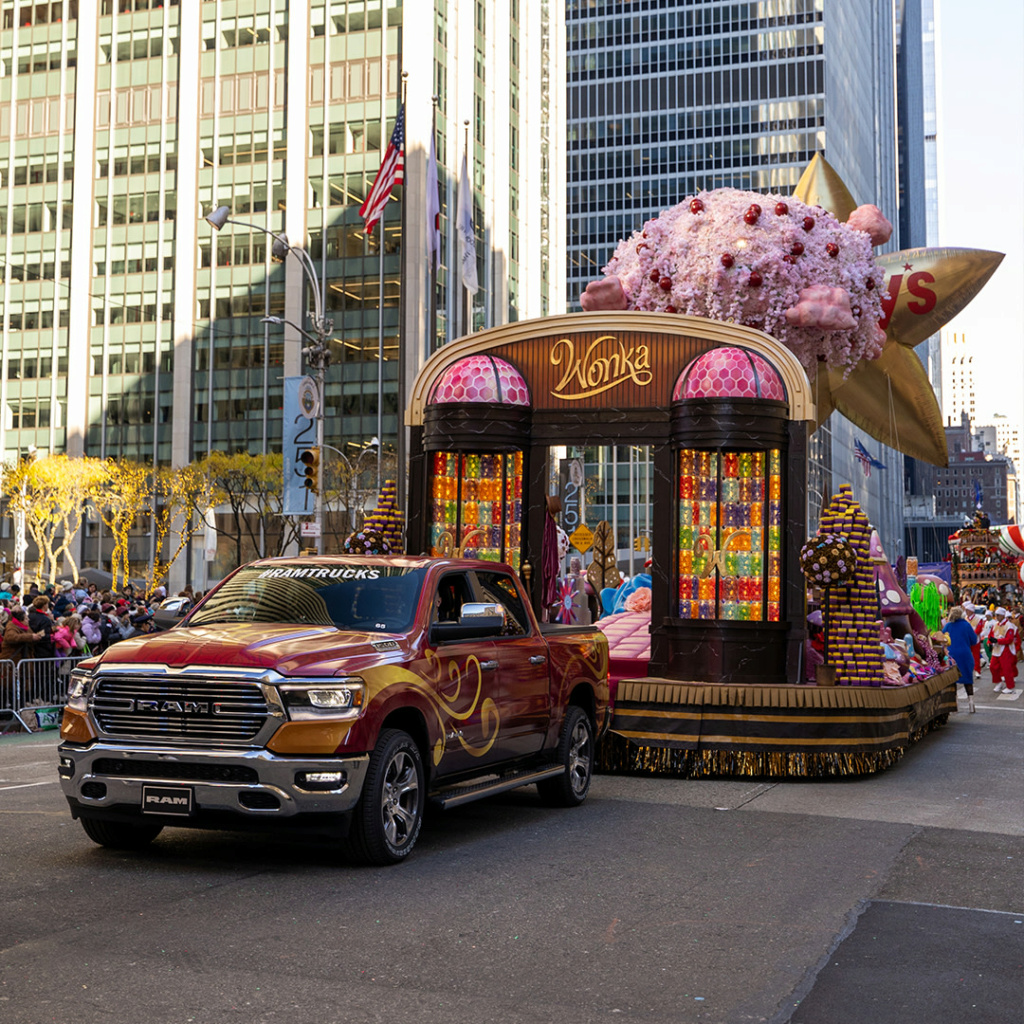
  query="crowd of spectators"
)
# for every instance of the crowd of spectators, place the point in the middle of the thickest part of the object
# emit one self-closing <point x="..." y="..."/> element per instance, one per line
<point x="72" y="619"/>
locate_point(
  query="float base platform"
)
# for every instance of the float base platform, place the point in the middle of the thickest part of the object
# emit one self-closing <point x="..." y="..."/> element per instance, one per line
<point x="668" y="727"/>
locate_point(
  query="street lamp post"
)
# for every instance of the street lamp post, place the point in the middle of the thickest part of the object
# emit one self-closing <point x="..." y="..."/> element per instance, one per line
<point x="317" y="353"/>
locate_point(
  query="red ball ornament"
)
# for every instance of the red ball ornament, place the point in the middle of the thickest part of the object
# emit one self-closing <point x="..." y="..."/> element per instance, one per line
<point x="753" y="214"/>
<point x="755" y="279"/>
<point x="727" y="260"/>
<point x="670" y="309"/>
<point x="869" y="283"/>
<point x="655" y="275"/>
<point x="797" y="248"/>
<point x="696" y="206"/>
<point x="781" y="209"/>
<point x="666" y="284"/>
<point x="808" y="223"/>
<point x="832" y="249"/>
<point x="788" y="258"/>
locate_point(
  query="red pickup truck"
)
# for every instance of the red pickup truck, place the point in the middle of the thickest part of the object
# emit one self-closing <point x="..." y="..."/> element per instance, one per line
<point x="334" y="695"/>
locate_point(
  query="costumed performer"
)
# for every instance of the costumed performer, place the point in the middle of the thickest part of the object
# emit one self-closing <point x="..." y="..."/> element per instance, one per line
<point x="1004" y="657"/>
<point x="985" y="635"/>
<point x="963" y="646"/>
<point x="973" y="616"/>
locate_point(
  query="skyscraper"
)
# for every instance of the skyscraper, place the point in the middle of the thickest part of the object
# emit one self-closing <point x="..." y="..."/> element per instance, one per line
<point x="133" y="330"/>
<point x="957" y="379"/>
<point x="669" y="98"/>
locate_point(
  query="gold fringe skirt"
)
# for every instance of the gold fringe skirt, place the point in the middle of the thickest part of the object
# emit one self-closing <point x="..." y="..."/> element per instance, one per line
<point x="662" y="727"/>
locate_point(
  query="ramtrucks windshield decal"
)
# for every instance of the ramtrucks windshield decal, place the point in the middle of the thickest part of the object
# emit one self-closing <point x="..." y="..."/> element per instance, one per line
<point x="360" y="598"/>
<point x="304" y="572"/>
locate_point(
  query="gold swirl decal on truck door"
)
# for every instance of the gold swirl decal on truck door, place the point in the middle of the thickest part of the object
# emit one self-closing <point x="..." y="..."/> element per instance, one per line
<point x="442" y="703"/>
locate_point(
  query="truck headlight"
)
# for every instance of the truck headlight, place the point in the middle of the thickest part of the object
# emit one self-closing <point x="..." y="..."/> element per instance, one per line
<point x="78" y="691"/>
<point x="327" y="698"/>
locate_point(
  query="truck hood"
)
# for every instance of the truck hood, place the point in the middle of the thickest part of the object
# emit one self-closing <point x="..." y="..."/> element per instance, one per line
<point x="288" y="649"/>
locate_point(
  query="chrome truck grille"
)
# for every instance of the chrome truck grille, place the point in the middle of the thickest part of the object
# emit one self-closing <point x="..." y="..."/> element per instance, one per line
<point x="185" y="711"/>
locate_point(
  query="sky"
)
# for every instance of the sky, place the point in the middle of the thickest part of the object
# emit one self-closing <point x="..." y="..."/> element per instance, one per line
<point x="980" y="139"/>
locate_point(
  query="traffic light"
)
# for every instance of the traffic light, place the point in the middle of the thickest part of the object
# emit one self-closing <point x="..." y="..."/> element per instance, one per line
<point x="310" y="458"/>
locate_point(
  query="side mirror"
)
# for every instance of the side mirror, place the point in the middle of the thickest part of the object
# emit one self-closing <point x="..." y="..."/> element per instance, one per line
<point x="477" y="613"/>
<point x="476" y="622"/>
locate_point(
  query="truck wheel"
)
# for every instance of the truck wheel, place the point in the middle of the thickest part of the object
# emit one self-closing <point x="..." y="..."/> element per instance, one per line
<point x="121" y="835"/>
<point x="389" y="814"/>
<point x="576" y="755"/>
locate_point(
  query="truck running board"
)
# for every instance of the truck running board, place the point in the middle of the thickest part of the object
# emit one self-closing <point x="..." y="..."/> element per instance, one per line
<point x="455" y="795"/>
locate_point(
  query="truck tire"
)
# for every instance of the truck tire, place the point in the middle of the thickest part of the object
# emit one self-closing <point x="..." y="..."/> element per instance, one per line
<point x="121" y="835"/>
<point x="576" y="755"/>
<point x="388" y="817"/>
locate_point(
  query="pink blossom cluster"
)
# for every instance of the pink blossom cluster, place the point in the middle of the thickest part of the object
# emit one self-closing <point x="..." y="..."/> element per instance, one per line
<point x="639" y="600"/>
<point x="766" y="261"/>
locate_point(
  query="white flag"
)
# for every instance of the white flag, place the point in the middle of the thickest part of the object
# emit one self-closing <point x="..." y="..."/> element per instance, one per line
<point x="433" y="208"/>
<point x="467" y="237"/>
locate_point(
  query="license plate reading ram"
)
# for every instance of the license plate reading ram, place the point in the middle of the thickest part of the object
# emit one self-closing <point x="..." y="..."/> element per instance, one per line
<point x="167" y="800"/>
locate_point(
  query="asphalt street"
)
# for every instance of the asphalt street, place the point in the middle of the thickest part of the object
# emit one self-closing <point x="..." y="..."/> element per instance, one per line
<point x="889" y="898"/>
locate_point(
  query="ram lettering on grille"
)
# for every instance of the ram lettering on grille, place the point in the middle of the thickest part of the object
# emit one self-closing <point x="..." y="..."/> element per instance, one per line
<point x="201" y="711"/>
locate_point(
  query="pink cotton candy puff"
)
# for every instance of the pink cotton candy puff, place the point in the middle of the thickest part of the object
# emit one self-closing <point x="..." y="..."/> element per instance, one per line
<point x="687" y="249"/>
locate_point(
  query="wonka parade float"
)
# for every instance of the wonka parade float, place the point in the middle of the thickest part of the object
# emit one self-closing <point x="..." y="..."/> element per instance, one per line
<point x="725" y="332"/>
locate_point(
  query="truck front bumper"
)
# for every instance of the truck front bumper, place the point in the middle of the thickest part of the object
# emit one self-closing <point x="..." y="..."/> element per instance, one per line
<point x="193" y="788"/>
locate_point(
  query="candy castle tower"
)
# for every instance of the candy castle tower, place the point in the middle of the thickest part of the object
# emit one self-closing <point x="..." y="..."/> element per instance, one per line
<point x="851" y="612"/>
<point x="386" y="519"/>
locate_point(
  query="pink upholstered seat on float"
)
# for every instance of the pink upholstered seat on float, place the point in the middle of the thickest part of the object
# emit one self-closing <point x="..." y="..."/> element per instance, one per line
<point x="730" y="372"/>
<point x="480" y="378"/>
<point x="629" y="646"/>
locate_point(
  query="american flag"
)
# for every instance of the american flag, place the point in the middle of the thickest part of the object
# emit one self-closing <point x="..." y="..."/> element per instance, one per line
<point x="867" y="460"/>
<point x="391" y="173"/>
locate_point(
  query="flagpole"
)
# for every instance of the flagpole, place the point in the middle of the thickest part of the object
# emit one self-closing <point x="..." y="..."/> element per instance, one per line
<point x="469" y="187"/>
<point x="380" y="251"/>
<point x="400" y="403"/>
<point x="432" y="331"/>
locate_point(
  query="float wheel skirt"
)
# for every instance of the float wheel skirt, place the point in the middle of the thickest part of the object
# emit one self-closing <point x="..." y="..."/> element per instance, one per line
<point x="663" y="726"/>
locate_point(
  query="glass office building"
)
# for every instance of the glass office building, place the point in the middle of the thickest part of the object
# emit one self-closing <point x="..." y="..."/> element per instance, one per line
<point x="668" y="97"/>
<point x="131" y="329"/>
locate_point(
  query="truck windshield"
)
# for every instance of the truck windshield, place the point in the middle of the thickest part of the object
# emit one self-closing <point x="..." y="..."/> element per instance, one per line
<point x="376" y="598"/>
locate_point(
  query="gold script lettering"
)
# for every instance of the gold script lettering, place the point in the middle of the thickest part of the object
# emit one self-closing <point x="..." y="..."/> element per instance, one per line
<point x="604" y="364"/>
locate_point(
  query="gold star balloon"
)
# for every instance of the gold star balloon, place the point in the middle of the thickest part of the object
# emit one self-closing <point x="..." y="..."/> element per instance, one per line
<point x="890" y="397"/>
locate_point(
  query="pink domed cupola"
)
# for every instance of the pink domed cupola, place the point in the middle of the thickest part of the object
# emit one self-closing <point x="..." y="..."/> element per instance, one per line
<point x="730" y="372"/>
<point x="480" y="378"/>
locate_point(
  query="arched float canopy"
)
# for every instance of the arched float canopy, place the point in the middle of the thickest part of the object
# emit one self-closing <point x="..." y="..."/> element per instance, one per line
<point x="609" y="360"/>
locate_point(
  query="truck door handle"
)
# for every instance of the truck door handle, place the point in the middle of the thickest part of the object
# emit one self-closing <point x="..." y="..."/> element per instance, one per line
<point x="488" y="666"/>
<point x="538" y="659"/>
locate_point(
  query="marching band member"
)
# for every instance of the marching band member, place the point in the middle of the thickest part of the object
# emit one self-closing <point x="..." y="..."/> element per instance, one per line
<point x="1004" y="656"/>
<point x="975" y="620"/>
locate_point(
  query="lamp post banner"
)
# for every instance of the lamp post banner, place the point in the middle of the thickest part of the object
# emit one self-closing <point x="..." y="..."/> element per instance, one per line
<point x="299" y="434"/>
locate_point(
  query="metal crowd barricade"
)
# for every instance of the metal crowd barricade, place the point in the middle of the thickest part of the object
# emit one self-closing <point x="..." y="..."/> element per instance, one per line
<point x="42" y="683"/>
<point x="10" y="695"/>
